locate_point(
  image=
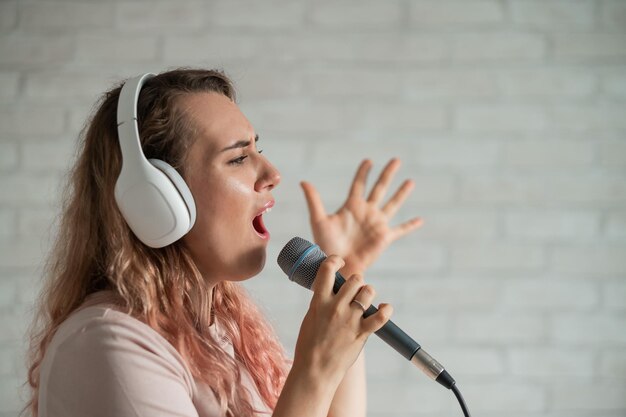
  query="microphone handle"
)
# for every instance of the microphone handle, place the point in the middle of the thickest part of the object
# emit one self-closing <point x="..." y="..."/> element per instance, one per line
<point x="389" y="333"/>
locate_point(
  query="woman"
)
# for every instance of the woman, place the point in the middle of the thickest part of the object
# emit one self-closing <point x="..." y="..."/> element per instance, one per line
<point x="130" y="330"/>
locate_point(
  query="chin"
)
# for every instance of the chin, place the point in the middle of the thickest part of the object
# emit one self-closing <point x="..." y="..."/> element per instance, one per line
<point x="251" y="264"/>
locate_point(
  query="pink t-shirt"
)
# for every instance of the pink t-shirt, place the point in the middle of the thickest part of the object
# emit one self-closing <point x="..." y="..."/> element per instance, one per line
<point x="104" y="363"/>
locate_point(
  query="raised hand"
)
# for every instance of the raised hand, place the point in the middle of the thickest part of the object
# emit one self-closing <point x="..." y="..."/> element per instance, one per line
<point x="360" y="231"/>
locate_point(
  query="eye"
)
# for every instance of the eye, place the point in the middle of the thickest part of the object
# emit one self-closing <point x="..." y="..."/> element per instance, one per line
<point x="260" y="151"/>
<point x="238" y="161"/>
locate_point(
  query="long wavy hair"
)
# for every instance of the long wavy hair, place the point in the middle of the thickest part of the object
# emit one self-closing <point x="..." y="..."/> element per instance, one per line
<point x="95" y="250"/>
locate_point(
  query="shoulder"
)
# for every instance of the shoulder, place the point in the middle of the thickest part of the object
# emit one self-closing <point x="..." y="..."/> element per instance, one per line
<point x="101" y="357"/>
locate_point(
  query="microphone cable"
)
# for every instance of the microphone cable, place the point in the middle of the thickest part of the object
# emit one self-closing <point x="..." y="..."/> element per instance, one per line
<point x="459" y="397"/>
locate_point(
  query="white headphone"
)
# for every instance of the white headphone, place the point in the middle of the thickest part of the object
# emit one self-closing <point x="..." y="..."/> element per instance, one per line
<point x="152" y="196"/>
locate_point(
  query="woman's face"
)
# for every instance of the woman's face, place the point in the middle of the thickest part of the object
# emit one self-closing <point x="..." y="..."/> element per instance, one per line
<point x="231" y="183"/>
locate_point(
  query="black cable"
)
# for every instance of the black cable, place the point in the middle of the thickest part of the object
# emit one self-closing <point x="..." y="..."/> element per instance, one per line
<point x="459" y="397"/>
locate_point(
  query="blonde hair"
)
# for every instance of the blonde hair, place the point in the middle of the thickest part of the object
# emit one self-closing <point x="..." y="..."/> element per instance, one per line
<point x="95" y="250"/>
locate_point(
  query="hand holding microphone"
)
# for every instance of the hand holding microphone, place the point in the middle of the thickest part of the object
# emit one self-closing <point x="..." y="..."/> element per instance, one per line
<point x="334" y="331"/>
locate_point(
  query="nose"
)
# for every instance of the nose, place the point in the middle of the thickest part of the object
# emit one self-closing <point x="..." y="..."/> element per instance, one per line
<point x="269" y="178"/>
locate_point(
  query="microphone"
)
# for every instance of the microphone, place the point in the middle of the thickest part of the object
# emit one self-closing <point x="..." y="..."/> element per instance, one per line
<point x="300" y="260"/>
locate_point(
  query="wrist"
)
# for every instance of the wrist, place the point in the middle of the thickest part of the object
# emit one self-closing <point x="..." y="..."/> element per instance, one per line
<point x="352" y="266"/>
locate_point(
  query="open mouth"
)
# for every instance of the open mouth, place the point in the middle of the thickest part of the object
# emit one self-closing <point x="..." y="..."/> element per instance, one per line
<point x="257" y="222"/>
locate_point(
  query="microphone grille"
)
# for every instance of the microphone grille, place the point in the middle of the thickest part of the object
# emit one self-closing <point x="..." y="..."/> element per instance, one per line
<point x="301" y="269"/>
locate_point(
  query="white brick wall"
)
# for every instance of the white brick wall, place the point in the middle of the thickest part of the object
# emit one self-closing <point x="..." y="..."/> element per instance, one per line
<point x="508" y="114"/>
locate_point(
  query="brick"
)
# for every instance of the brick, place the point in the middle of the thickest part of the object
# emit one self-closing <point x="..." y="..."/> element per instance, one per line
<point x="389" y="399"/>
<point x="21" y="254"/>
<point x="504" y="48"/>
<point x="21" y="189"/>
<point x="613" y="363"/>
<point x="7" y="224"/>
<point x="47" y="156"/>
<point x="589" y="396"/>
<point x="613" y="14"/>
<point x="546" y="82"/>
<point x="613" y="153"/>
<point x="260" y="84"/>
<point x="275" y="49"/>
<point x="594" y="190"/>
<point x="484" y="397"/>
<point x="587" y="117"/>
<point x="497" y="257"/>
<point x="615" y="295"/>
<point x="37" y="223"/>
<point x="296" y="115"/>
<point x="589" y="329"/>
<point x="500" y="118"/>
<point x="551" y="362"/>
<point x="8" y="293"/>
<point x="589" y="260"/>
<point x="9" y="84"/>
<point x="34" y="51"/>
<point x="360" y="83"/>
<point x="8" y="16"/>
<point x="552" y="225"/>
<point x="457" y="224"/>
<point x="590" y="47"/>
<point x="413" y="257"/>
<point x="54" y="86"/>
<point x="11" y="395"/>
<point x="614" y="85"/>
<point x="501" y="328"/>
<point x="382" y="362"/>
<point x="552" y="15"/>
<point x="449" y="84"/>
<point x="587" y="189"/>
<point x="542" y="295"/>
<point x="10" y="357"/>
<point x="394" y="117"/>
<point x="356" y="14"/>
<point x="467" y="361"/>
<point x="97" y="49"/>
<point x="8" y="156"/>
<point x="450" y="294"/>
<point x="31" y="120"/>
<point x="442" y="15"/>
<point x="225" y="13"/>
<point x="455" y="154"/>
<point x="63" y="17"/>
<point x="615" y="225"/>
<point x="148" y="16"/>
<point x="547" y="153"/>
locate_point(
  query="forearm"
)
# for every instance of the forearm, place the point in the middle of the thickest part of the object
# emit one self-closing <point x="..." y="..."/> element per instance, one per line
<point x="305" y="394"/>
<point x="350" y="399"/>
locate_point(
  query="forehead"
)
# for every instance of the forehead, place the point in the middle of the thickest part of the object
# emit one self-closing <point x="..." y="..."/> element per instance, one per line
<point x="216" y="119"/>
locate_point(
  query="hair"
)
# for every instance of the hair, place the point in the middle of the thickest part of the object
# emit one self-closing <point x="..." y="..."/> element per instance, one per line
<point x="95" y="250"/>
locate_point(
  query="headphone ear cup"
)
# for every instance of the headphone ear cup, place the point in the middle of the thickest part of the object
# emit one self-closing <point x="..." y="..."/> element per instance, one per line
<point x="181" y="187"/>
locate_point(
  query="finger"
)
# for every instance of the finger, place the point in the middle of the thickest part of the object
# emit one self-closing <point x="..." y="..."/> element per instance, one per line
<point x="325" y="279"/>
<point x="360" y="178"/>
<point x="365" y="296"/>
<point x="406" y="228"/>
<point x="349" y="290"/>
<point x="395" y="202"/>
<point x="377" y="320"/>
<point x="383" y="181"/>
<point x="313" y="201"/>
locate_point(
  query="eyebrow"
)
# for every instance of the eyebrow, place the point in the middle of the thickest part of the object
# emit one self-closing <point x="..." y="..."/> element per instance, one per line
<point x="240" y="144"/>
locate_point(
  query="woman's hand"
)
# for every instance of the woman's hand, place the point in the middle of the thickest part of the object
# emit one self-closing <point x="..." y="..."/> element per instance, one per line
<point x="359" y="231"/>
<point x="334" y="330"/>
<point x="331" y="337"/>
